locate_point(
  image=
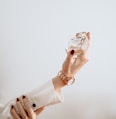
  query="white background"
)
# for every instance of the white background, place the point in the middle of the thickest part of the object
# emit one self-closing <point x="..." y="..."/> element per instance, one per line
<point x="33" y="37"/>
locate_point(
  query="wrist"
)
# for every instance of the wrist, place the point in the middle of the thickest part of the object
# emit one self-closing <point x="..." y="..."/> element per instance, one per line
<point x="66" y="79"/>
<point x="61" y="81"/>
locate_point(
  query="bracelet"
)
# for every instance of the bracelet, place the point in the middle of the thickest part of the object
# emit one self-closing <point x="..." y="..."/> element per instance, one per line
<point x="66" y="80"/>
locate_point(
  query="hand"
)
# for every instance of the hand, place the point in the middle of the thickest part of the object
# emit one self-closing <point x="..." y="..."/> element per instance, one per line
<point x="72" y="65"/>
<point x="24" y="111"/>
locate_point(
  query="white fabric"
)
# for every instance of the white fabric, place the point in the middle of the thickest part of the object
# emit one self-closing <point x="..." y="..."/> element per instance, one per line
<point x="42" y="96"/>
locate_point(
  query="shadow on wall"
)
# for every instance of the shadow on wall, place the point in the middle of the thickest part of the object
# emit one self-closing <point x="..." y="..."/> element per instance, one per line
<point x="84" y="107"/>
<point x="92" y="107"/>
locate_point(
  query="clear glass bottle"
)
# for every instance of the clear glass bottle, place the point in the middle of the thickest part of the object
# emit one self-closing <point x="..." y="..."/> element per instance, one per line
<point x="79" y="42"/>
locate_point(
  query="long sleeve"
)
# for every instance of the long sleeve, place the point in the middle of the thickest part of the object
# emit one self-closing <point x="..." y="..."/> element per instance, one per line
<point x="44" y="95"/>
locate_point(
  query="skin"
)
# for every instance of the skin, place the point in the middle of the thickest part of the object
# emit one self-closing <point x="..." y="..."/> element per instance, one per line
<point x="70" y="68"/>
<point x="26" y="111"/>
<point x="71" y="65"/>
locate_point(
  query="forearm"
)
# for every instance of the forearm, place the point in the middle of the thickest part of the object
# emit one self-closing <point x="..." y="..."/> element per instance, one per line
<point x="41" y="96"/>
<point x="62" y="80"/>
<point x="58" y="84"/>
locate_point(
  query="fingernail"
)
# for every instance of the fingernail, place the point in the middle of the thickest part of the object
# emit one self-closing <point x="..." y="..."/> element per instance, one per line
<point x="34" y="105"/>
<point x="17" y="99"/>
<point x="72" y="52"/>
<point x="12" y="107"/>
<point x="23" y="96"/>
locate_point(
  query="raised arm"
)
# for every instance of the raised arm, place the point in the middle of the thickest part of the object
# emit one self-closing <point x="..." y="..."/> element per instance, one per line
<point x="50" y="92"/>
<point x="71" y="66"/>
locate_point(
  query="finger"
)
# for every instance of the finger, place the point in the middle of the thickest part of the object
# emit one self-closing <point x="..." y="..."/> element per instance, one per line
<point x="77" y="52"/>
<point x="88" y="35"/>
<point x="78" y="67"/>
<point x="20" y="108"/>
<point x="70" y="53"/>
<point x="14" y="113"/>
<point x="81" y="58"/>
<point x="68" y="61"/>
<point x="71" y="59"/>
<point x="80" y="61"/>
<point x="28" y="107"/>
<point x="38" y="111"/>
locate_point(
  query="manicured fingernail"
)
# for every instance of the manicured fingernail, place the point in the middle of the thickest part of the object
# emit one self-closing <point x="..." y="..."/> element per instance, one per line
<point x="72" y="52"/>
<point x="12" y="107"/>
<point x="24" y="97"/>
<point x="17" y="99"/>
<point x="34" y="105"/>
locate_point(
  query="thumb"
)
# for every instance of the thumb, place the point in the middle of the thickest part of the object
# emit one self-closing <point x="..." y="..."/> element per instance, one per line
<point x="38" y="111"/>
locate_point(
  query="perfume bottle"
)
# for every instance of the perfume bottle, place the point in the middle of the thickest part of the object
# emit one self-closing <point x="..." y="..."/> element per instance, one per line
<point x="79" y="42"/>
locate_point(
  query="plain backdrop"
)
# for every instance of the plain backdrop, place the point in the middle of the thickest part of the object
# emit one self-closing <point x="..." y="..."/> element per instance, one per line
<point x="33" y="37"/>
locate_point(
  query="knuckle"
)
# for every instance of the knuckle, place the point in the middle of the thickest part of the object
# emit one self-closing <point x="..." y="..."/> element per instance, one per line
<point x="24" y="117"/>
<point x="85" y="59"/>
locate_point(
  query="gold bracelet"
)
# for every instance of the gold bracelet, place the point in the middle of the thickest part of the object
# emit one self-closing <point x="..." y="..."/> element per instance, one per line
<point x="67" y="80"/>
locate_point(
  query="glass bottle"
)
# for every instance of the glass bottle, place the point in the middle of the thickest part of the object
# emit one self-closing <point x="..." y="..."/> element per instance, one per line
<point x="79" y="42"/>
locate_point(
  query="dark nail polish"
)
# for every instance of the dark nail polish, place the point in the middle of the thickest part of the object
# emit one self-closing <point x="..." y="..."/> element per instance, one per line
<point x="24" y="97"/>
<point x="17" y="99"/>
<point x="34" y="105"/>
<point x="72" y="52"/>
<point x="12" y="107"/>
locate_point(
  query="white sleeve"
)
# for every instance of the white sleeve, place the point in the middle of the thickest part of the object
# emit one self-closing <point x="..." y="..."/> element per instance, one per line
<point x="44" y="95"/>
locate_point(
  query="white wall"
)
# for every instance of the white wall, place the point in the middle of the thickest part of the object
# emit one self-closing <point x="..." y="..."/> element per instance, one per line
<point x="33" y="36"/>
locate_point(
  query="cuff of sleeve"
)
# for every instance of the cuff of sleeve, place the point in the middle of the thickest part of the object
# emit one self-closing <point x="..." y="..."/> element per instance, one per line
<point x="45" y="95"/>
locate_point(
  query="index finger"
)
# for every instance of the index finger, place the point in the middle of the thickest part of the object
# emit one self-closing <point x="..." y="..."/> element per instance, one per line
<point x="88" y="35"/>
<point x="14" y="113"/>
<point x="27" y="106"/>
